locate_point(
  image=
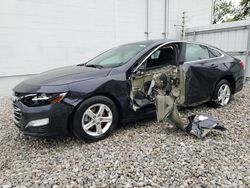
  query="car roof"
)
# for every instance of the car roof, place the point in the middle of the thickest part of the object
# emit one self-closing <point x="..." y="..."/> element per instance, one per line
<point x="161" y="41"/>
<point x="150" y="42"/>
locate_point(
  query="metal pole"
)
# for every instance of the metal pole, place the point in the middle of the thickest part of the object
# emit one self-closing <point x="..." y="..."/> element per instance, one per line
<point x="247" y="72"/>
<point x="165" y="19"/>
<point x="183" y="25"/>
<point x="212" y="11"/>
<point x="147" y="21"/>
<point x="168" y="18"/>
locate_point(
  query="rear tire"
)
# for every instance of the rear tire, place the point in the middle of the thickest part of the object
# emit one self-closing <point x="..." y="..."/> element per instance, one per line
<point x="95" y="119"/>
<point x="222" y="94"/>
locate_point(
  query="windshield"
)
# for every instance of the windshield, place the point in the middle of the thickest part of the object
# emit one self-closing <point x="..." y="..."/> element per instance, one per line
<point x="116" y="56"/>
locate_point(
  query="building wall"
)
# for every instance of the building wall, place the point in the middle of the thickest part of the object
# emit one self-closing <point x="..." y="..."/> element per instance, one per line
<point x="39" y="35"/>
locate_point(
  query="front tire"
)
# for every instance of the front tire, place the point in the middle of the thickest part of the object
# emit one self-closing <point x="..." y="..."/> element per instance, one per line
<point x="222" y="94"/>
<point x="95" y="119"/>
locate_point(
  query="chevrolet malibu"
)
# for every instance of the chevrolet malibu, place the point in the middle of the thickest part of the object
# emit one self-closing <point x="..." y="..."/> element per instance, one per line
<point x="89" y="100"/>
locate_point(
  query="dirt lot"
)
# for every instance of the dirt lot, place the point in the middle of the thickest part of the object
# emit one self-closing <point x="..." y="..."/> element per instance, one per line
<point x="139" y="154"/>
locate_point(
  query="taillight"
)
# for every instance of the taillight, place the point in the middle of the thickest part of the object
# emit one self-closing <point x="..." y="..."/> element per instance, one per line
<point x="242" y="65"/>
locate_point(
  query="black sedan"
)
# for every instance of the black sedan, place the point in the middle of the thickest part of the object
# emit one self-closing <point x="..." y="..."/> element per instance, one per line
<point x="90" y="99"/>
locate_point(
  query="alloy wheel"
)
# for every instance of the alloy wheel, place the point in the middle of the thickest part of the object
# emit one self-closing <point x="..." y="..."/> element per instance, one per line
<point x="224" y="94"/>
<point x="97" y="119"/>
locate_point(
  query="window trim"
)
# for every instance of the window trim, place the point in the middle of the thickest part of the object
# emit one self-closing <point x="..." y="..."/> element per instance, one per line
<point x="153" y="51"/>
<point x="185" y="62"/>
<point x="211" y="51"/>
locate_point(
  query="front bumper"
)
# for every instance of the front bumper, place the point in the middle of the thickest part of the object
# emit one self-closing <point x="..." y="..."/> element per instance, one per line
<point x="58" y="115"/>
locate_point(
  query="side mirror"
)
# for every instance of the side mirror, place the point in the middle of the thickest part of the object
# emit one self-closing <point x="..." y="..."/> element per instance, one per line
<point x="137" y="74"/>
<point x="140" y="72"/>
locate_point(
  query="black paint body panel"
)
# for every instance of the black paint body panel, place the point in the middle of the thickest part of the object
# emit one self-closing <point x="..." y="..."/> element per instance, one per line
<point x="202" y="77"/>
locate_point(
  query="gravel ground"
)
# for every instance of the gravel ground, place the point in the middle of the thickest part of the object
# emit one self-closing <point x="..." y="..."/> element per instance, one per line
<point x="140" y="154"/>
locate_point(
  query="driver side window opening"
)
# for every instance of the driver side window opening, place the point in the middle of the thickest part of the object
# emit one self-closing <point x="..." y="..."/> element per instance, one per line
<point x="164" y="56"/>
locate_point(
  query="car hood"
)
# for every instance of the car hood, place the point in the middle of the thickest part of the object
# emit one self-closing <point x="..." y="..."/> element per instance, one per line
<point x="62" y="76"/>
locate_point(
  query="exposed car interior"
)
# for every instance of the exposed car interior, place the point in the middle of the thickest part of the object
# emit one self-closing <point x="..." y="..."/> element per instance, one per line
<point x="162" y="57"/>
<point x="160" y="75"/>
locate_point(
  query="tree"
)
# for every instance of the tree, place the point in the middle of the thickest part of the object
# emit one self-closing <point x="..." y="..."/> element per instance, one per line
<point x="223" y="11"/>
<point x="243" y="11"/>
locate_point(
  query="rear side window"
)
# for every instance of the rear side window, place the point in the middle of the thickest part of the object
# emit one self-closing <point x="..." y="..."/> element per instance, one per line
<point x="156" y="55"/>
<point x="213" y="53"/>
<point x="196" y="52"/>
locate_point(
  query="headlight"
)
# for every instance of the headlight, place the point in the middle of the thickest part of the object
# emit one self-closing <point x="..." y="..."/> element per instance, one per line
<point x="42" y="99"/>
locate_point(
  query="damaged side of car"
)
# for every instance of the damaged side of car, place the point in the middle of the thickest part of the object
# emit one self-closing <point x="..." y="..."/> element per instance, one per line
<point x="160" y="79"/>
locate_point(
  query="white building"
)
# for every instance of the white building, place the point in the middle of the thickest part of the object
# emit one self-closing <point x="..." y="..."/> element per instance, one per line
<point x="37" y="35"/>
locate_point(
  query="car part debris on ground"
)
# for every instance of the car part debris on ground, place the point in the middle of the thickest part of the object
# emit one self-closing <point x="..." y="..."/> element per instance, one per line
<point x="164" y="89"/>
<point x="199" y="125"/>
